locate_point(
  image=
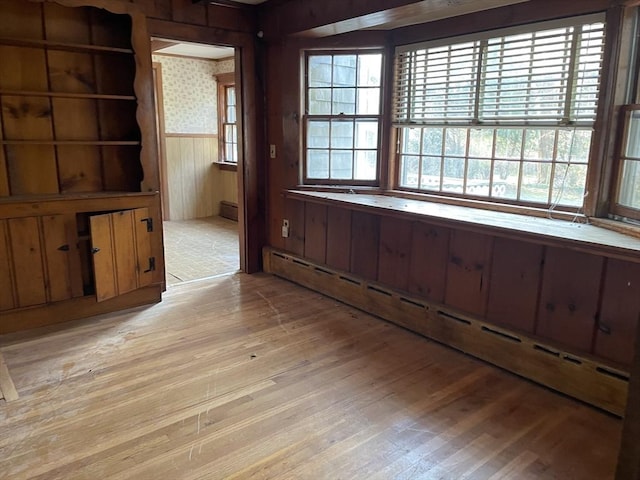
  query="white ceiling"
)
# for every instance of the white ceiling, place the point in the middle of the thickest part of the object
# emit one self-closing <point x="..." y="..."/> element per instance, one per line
<point x="187" y="49"/>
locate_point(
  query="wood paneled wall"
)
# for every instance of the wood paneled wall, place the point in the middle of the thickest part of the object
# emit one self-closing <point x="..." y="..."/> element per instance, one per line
<point x="586" y="303"/>
<point x="196" y="184"/>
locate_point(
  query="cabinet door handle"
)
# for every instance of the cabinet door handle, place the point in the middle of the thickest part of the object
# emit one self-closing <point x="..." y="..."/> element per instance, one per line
<point x="95" y="250"/>
<point x="64" y="248"/>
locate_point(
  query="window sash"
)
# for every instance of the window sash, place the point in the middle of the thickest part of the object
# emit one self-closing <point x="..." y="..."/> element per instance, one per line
<point x="497" y="78"/>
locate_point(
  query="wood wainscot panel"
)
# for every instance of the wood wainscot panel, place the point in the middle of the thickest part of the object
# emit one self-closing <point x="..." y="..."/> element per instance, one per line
<point x="395" y="252"/>
<point x="294" y="212"/>
<point x="468" y="271"/>
<point x="569" y="297"/>
<point x="339" y="238"/>
<point x="315" y="232"/>
<point x="428" y="267"/>
<point x="365" y="235"/>
<point x="4" y="174"/>
<point x="619" y="312"/>
<point x="516" y="271"/>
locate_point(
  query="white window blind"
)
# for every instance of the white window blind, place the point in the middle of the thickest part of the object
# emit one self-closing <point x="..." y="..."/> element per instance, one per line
<point x="545" y="74"/>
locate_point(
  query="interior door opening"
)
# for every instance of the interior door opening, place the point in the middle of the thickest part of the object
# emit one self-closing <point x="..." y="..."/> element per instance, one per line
<point x="196" y="108"/>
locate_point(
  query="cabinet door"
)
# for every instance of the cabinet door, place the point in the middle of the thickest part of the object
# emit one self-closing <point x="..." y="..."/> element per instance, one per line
<point x="620" y="312"/>
<point x="28" y="267"/>
<point x="121" y="252"/>
<point x="63" y="283"/>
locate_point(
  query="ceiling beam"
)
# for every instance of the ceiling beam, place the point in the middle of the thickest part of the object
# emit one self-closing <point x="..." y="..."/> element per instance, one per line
<point x="310" y="18"/>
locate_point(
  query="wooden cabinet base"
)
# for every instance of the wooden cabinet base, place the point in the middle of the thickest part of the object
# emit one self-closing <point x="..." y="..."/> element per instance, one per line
<point x="586" y="379"/>
<point x="76" y="308"/>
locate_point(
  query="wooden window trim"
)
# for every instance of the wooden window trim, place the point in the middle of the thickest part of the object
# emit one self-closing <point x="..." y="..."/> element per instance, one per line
<point x="224" y="80"/>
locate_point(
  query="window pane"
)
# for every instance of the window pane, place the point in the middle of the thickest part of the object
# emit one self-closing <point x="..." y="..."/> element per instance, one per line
<point x="430" y="179"/>
<point x="318" y="164"/>
<point x="478" y="177"/>
<point x="632" y="148"/>
<point x="368" y="101"/>
<point x="569" y="184"/>
<point x="453" y="175"/>
<point x="344" y="70"/>
<point x="319" y="101"/>
<point x="409" y="171"/>
<point x="508" y="143"/>
<point x="366" y="134"/>
<point x="505" y="178"/>
<point x="481" y="143"/>
<point x="341" y="134"/>
<point x="365" y="165"/>
<point x="319" y="70"/>
<point x="342" y="164"/>
<point x="343" y="101"/>
<point x="432" y="141"/>
<point x="539" y="144"/>
<point x="318" y="134"/>
<point x="411" y="140"/>
<point x="536" y="178"/>
<point x="574" y="145"/>
<point x="455" y="141"/>
<point x="630" y="184"/>
<point x="369" y="70"/>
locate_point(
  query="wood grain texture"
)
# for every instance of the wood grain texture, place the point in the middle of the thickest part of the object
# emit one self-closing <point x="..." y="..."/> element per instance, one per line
<point x="21" y="19"/>
<point x="365" y="240"/>
<point x="395" y="252"/>
<point x="568" y="309"/>
<point x="516" y="270"/>
<point x="294" y="212"/>
<point x="7" y="290"/>
<point x="124" y="247"/>
<point x="103" y="257"/>
<point x="468" y="271"/>
<point x="629" y="456"/>
<point x="619" y="312"/>
<point x="4" y="172"/>
<point x="338" y="238"/>
<point x="428" y="268"/>
<point x="144" y="274"/>
<point x="57" y="257"/>
<point x="7" y="388"/>
<point x="28" y="267"/>
<point x="315" y="233"/>
<point x="251" y="376"/>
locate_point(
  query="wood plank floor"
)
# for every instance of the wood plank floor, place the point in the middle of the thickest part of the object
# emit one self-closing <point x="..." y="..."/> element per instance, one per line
<point x="244" y="377"/>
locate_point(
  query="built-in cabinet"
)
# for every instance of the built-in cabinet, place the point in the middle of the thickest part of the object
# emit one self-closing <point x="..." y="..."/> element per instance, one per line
<point x="79" y="209"/>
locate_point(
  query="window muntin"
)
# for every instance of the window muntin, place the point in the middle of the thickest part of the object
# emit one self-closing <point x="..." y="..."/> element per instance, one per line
<point x="229" y="126"/>
<point x="342" y="121"/>
<point x="504" y="117"/>
<point x="629" y="184"/>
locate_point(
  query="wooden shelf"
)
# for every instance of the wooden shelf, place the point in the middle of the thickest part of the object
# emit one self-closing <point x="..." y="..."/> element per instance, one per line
<point x="95" y="96"/>
<point x="577" y="236"/>
<point x="72" y="47"/>
<point x="100" y="143"/>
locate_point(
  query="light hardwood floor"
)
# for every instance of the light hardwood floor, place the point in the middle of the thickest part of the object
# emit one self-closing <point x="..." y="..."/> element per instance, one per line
<point x="244" y="377"/>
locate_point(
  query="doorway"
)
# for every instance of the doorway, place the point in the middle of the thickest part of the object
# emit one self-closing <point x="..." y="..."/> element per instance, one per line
<point x="197" y="135"/>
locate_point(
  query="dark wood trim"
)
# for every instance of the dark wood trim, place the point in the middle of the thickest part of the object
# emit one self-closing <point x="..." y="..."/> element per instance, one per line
<point x="629" y="458"/>
<point x="162" y="153"/>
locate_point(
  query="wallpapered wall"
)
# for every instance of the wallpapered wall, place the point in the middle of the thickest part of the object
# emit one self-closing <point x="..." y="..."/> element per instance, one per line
<point x="190" y="93"/>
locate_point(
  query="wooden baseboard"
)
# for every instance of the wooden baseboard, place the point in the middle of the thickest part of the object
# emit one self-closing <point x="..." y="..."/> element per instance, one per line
<point x="74" y="309"/>
<point x="583" y="378"/>
<point x="229" y="210"/>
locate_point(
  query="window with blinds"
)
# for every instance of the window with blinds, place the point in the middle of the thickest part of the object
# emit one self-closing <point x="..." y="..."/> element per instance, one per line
<point x="505" y="116"/>
<point x="547" y="76"/>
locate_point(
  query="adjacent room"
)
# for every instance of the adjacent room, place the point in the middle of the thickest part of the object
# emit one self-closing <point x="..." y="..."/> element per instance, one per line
<point x="294" y="239"/>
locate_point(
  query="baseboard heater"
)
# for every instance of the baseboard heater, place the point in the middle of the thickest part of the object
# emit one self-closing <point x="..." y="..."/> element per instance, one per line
<point x="586" y="379"/>
<point x="229" y="210"/>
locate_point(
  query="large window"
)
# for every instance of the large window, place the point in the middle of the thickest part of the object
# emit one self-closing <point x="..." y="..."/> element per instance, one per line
<point x="505" y="116"/>
<point x="227" y="119"/>
<point x="342" y="121"/>
<point x="628" y="201"/>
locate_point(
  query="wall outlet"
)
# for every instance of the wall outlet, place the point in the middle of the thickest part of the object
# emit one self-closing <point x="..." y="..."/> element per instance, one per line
<point x="272" y="151"/>
<point x="285" y="228"/>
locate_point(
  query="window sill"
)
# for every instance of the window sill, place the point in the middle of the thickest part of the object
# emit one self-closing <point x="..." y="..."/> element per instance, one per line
<point x="561" y="233"/>
<point x="227" y="166"/>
